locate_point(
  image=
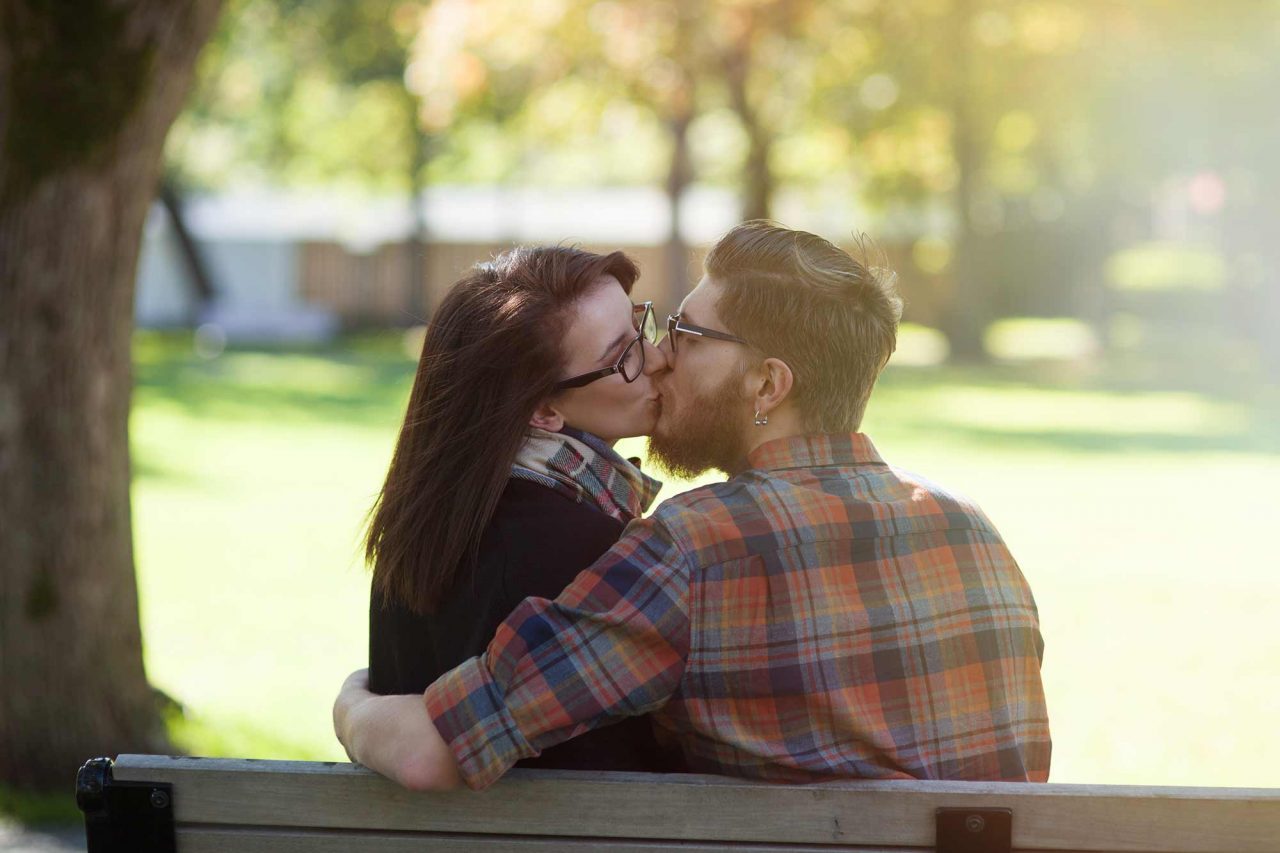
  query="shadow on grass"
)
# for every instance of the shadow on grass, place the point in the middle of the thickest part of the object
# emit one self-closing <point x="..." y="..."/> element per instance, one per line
<point x="145" y="466"/>
<point x="365" y="381"/>
<point x="1123" y="416"/>
<point x="1093" y="442"/>
<point x="56" y="808"/>
<point x="361" y="385"/>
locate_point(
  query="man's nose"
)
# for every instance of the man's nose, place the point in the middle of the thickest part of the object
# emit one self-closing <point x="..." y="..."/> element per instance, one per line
<point x="656" y="357"/>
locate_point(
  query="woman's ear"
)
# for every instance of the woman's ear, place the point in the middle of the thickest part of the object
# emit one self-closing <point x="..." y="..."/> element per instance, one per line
<point x="546" y="417"/>
<point x="774" y="380"/>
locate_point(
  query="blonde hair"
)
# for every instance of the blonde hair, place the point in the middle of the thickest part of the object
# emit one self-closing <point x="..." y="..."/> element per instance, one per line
<point x="806" y="301"/>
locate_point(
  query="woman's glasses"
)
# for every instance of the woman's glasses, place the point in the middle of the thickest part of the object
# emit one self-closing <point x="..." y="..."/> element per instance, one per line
<point x="631" y="363"/>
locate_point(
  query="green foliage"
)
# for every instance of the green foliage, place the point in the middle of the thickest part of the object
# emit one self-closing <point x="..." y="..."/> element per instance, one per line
<point x="298" y="93"/>
<point x="1042" y="338"/>
<point x="1012" y="144"/>
<point x="1055" y="97"/>
<point x="1167" y="266"/>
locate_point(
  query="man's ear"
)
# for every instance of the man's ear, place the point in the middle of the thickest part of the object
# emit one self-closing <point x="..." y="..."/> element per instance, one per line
<point x="546" y="417"/>
<point x="772" y="381"/>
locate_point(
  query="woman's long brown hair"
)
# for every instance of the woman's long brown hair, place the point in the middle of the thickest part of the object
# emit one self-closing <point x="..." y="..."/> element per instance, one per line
<point x="491" y="356"/>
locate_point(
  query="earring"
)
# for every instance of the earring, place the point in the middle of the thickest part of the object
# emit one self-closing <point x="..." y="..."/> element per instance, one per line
<point x="761" y="420"/>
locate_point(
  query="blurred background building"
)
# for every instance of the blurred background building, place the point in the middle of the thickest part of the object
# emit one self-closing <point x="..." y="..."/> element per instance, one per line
<point x="1109" y="164"/>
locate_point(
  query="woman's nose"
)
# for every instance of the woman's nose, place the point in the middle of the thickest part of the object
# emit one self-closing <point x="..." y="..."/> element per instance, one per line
<point x="656" y="357"/>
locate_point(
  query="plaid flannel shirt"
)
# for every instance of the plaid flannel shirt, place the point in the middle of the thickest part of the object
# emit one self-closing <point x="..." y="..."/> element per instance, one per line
<point x="821" y="615"/>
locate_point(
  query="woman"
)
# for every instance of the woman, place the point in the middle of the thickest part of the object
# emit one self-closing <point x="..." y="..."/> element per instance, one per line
<point x="504" y="483"/>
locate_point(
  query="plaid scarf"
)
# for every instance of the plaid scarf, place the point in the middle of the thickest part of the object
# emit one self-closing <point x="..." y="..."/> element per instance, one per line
<point x="584" y="468"/>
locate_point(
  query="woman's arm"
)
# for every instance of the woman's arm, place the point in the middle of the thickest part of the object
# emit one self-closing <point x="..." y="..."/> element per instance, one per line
<point x="393" y="736"/>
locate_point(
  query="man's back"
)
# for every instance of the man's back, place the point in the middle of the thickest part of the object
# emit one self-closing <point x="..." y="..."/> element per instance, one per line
<point x="850" y="619"/>
<point x="820" y="615"/>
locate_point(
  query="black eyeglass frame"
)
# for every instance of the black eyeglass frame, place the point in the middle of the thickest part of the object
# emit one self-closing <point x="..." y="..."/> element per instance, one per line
<point x="675" y="324"/>
<point x="645" y="310"/>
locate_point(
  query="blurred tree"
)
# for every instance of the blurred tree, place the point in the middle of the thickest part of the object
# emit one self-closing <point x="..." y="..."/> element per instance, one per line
<point x="998" y="135"/>
<point x="305" y="91"/>
<point x="87" y="93"/>
<point x="980" y="102"/>
<point x="1180" y="95"/>
<point x="558" y="70"/>
<point x="767" y="50"/>
<point x="561" y="67"/>
<point x="653" y="50"/>
<point x="506" y="88"/>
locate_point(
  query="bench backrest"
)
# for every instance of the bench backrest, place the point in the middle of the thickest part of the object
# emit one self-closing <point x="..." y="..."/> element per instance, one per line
<point x="253" y="805"/>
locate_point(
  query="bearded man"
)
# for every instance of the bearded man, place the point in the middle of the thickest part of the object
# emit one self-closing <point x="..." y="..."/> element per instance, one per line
<point x="819" y="615"/>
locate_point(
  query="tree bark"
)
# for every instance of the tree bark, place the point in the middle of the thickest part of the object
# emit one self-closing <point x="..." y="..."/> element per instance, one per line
<point x="416" y="302"/>
<point x="680" y="102"/>
<point x="965" y="320"/>
<point x="757" y="174"/>
<point x="198" y="275"/>
<point x="88" y="91"/>
<point x="757" y="196"/>
<point x="679" y="173"/>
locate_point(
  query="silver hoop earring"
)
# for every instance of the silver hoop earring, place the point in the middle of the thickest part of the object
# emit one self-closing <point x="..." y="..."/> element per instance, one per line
<point x="761" y="420"/>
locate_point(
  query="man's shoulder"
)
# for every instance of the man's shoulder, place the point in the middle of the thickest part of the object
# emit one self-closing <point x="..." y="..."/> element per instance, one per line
<point x="875" y="500"/>
<point x="707" y="502"/>
<point x="930" y="497"/>
<point x="710" y="513"/>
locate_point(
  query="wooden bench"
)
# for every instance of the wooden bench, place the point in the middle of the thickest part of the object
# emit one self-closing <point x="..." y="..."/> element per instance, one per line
<point x="146" y="803"/>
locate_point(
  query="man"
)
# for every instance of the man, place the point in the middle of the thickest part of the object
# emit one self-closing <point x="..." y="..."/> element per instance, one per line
<point x="819" y="615"/>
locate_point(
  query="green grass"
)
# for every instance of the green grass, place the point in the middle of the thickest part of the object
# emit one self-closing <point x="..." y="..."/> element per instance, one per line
<point x="1141" y="516"/>
<point x="37" y="809"/>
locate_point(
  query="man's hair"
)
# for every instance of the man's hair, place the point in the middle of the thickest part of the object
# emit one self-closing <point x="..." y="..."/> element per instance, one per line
<point x="800" y="298"/>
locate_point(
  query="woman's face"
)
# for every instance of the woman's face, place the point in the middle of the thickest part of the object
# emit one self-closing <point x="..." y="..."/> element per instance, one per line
<point x="601" y="327"/>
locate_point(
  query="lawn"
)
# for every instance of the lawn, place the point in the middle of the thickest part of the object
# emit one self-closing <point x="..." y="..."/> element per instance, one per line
<point x="1141" y="517"/>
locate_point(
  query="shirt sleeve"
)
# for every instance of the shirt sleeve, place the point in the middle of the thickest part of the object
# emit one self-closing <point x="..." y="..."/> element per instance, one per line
<point x="613" y="644"/>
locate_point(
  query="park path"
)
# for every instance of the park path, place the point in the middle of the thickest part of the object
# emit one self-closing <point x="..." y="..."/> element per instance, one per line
<point x="17" y="838"/>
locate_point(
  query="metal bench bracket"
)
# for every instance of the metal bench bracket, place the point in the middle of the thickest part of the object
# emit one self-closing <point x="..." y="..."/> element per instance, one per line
<point x="974" y="831"/>
<point x="136" y="817"/>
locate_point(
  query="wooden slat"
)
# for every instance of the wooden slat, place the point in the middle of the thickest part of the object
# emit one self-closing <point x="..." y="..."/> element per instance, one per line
<point x="708" y="808"/>
<point x="220" y="840"/>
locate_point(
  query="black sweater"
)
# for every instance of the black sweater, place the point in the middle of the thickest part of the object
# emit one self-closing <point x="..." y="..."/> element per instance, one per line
<point x="537" y="542"/>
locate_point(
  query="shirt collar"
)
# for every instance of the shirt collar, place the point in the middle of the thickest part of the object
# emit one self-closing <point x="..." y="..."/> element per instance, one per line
<point x="815" y="451"/>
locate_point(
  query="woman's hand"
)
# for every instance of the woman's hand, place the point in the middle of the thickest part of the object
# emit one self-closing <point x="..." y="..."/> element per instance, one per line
<point x="393" y="736"/>
<point x="354" y="691"/>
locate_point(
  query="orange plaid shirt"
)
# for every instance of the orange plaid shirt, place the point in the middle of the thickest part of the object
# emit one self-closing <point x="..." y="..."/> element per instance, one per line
<point x="821" y="615"/>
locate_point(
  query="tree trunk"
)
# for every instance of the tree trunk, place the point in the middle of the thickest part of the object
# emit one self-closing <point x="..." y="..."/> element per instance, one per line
<point x="679" y="174"/>
<point x="198" y="275"/>
<point x="87" y="93"/>
<point x="757" y="173"/>
<point x="757" y="196"/>
<point x="416" y="304"/>
<point x="966" y="317"/>
<point x="678" y="105"/>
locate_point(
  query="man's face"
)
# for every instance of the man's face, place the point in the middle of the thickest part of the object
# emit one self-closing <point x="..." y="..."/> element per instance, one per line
<point x="705" y="407"/>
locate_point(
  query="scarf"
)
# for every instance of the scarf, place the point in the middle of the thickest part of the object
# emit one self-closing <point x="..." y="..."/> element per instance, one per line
<point x="584" y="468"/>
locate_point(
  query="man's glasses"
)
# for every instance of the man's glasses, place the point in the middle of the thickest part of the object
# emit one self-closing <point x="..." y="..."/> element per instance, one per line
<point x="675" y="324"/>
<point x="631" y="363"/>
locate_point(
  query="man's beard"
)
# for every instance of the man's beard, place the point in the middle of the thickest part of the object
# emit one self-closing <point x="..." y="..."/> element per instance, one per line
<point x="706" y="434"/>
